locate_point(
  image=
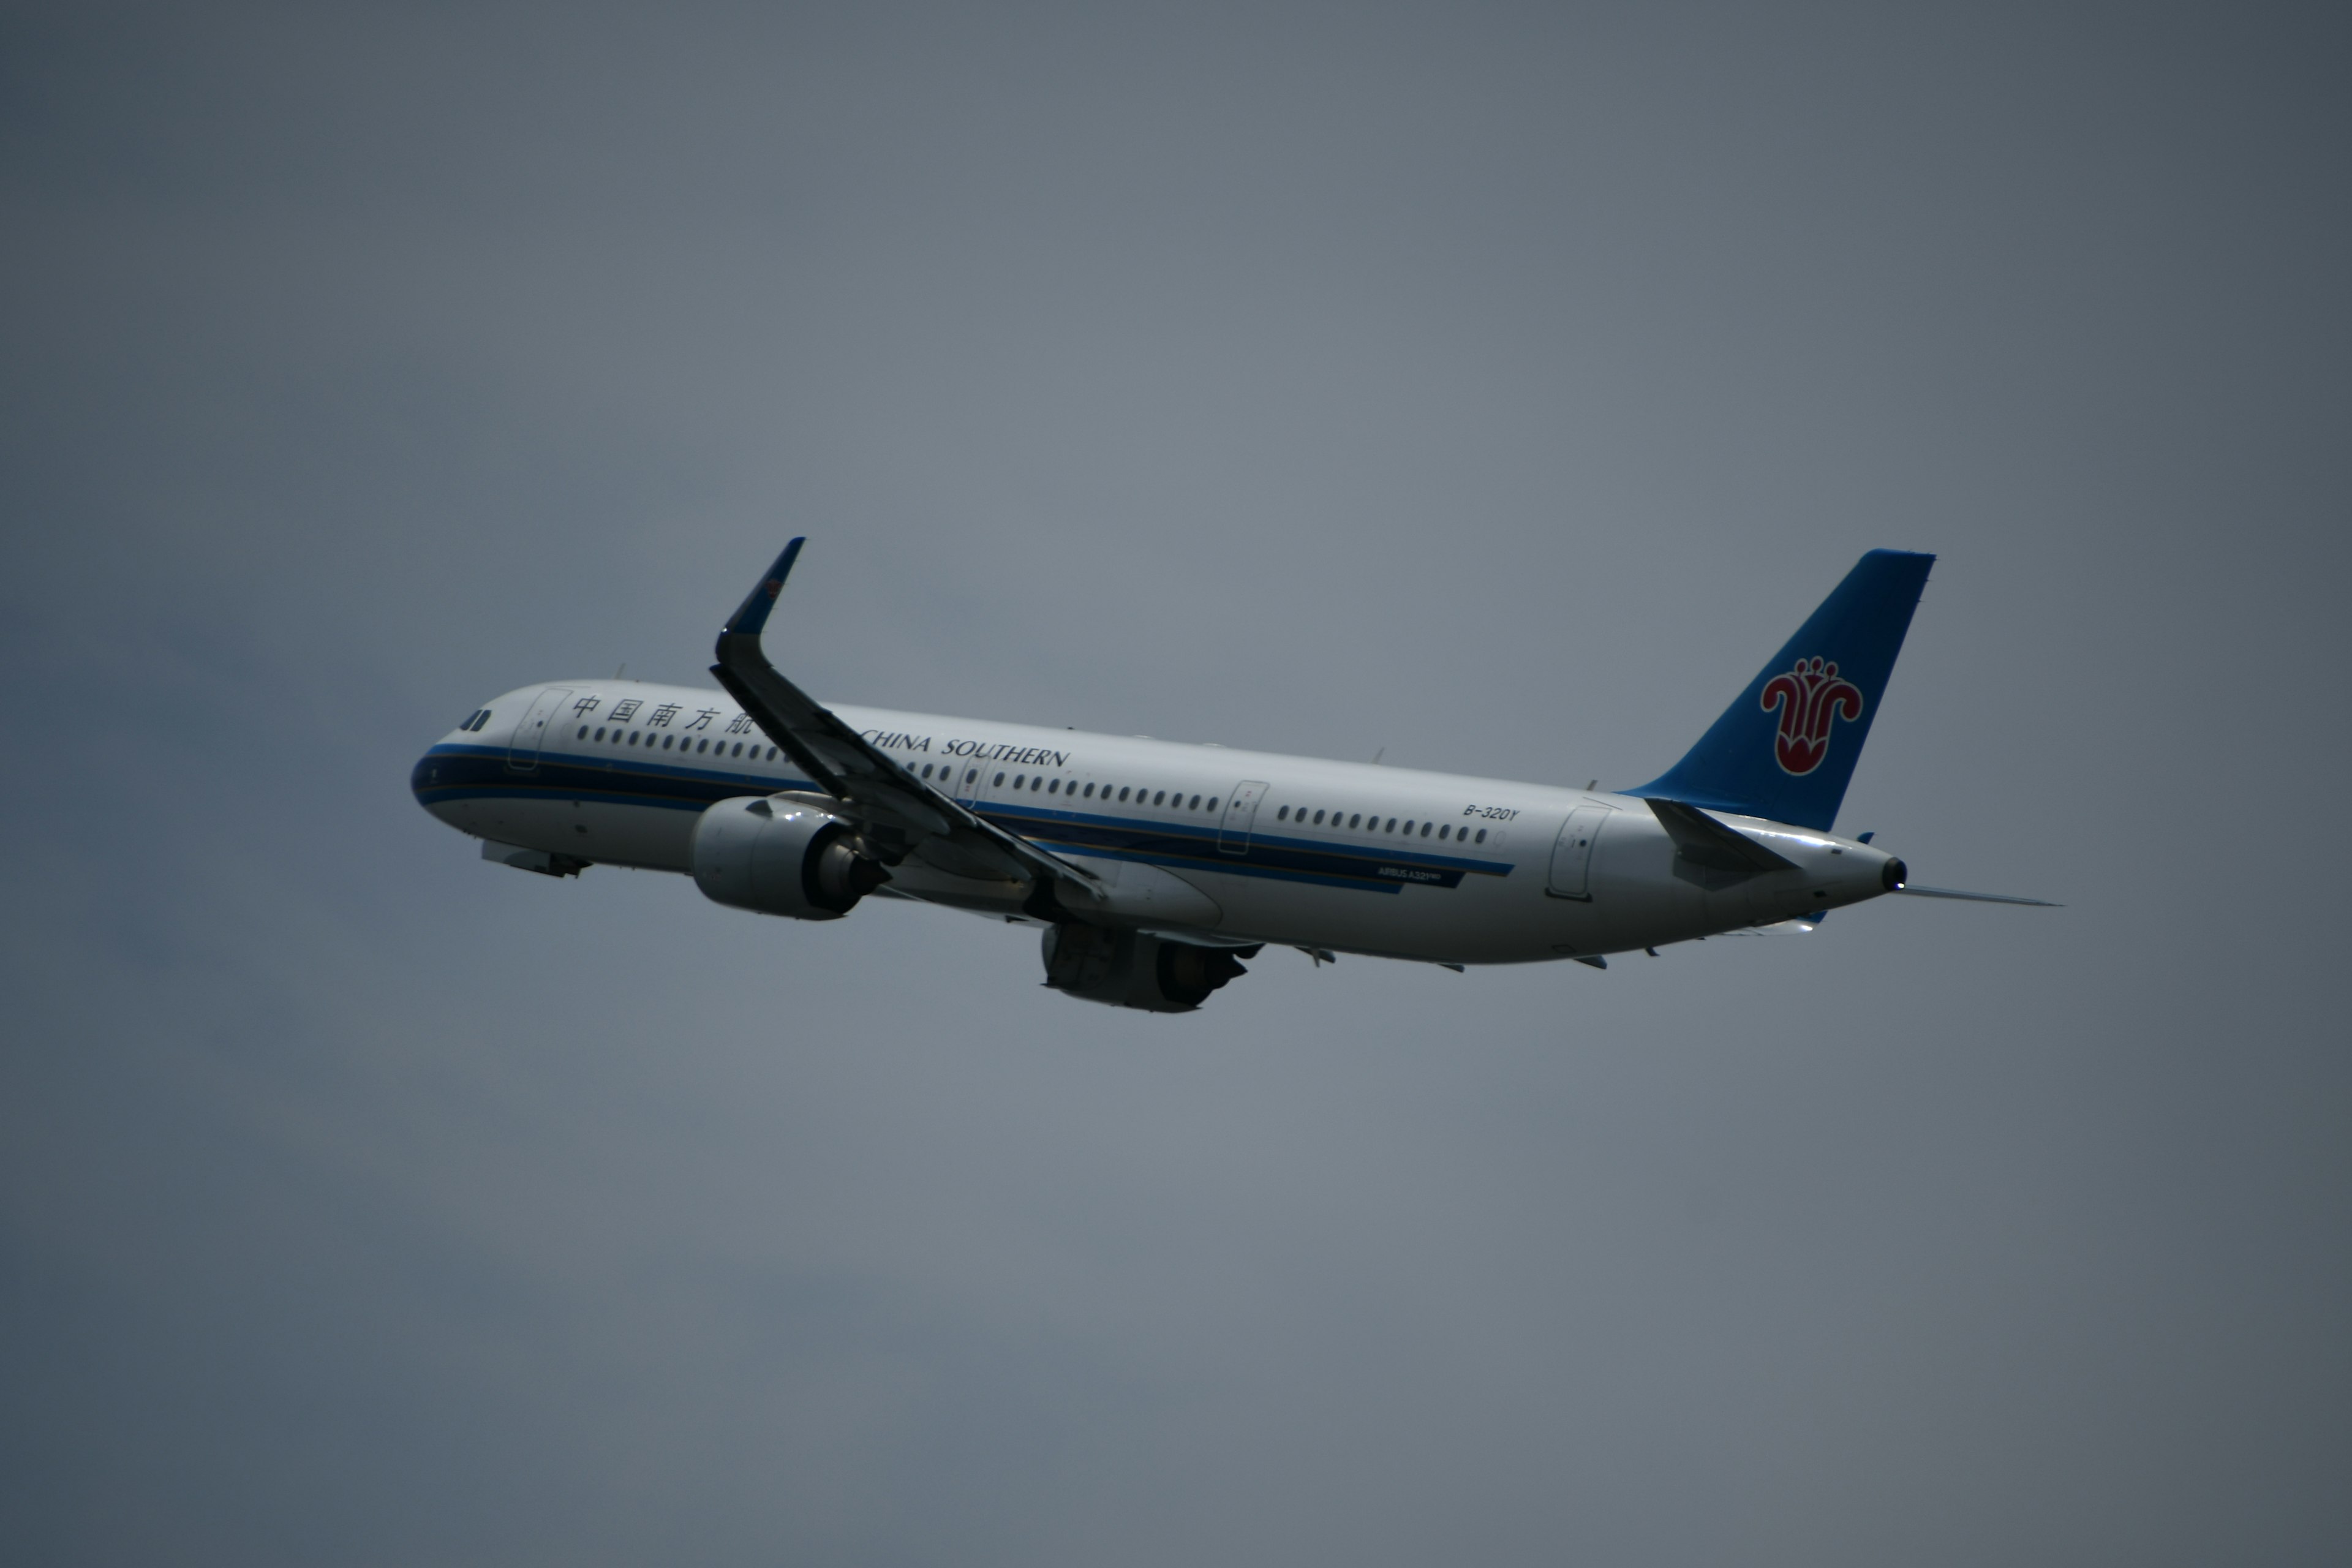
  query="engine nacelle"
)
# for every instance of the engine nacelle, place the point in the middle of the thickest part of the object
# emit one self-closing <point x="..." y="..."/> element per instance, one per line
<point x="781" y="857"/>
<point x="1129" y="969"/>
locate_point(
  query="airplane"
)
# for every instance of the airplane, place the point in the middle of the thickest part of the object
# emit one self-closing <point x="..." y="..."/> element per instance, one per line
<point x="1154" y="868"/>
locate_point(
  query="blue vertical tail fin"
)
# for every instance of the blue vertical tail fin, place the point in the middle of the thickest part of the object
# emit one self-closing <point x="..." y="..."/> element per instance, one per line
<point x="1786" y="747"/>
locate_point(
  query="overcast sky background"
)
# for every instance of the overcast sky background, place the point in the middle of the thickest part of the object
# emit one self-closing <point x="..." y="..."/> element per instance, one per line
<point x="1497" y="386"/>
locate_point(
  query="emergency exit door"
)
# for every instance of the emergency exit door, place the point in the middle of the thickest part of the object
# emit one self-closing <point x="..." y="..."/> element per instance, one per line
<point x="1241" y="814"/>
<point x="1571" y="853"/>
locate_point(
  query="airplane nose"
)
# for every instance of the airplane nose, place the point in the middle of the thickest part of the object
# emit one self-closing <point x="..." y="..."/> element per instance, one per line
<point x="426" y="781"/>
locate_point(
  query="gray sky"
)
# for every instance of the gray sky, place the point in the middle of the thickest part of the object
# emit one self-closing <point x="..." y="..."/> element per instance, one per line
<point x="1494" y="384"/>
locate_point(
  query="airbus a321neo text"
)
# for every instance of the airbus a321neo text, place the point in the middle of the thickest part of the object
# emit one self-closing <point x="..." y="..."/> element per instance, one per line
<point x="1155" y="868"/>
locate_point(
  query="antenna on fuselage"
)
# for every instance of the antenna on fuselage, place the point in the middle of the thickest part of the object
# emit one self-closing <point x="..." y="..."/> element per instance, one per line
<point x="623" y="671"/>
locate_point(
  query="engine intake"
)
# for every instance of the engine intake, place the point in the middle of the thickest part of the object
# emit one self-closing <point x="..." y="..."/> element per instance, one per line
<point x="1131" y="969"/>
<point x="781" y="857"/>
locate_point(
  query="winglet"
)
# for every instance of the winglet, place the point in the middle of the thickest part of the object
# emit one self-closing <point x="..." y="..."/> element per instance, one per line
<point x="752" y="614"/>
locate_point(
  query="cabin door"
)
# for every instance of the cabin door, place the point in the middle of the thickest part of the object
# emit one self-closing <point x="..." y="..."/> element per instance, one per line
<point x="522" y="751"/>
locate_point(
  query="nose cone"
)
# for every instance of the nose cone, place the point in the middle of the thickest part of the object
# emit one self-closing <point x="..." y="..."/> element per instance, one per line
<point x="422" y="778"/>
<point x="434" y="782"/>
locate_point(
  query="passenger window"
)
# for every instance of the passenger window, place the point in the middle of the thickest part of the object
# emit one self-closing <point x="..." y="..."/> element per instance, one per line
<point x="1482" y="836"/>
<point x="1055" y="787"/>
<point x="1391" y="826"/>
<point x="1019" y="780"/>
<point x="1122" y="792"/>
<point x="1212" y="803"/>
<point x="665" y="741"/>
<point x="1159" y="799"/>
<point x="600" y="732"/>
<point x="1424" y="830"/>
<point x="1089" y="792"/>
<point x="633" y="736"/>
<point x="1445" y="830"/>
<point x="583" y="734"/>
<point x="1408" y="827"/>
<point x="1318" y="819"/>
<point x="772" y="753"/>
<point x="702" y="745"/>
<point x="1283" y="816"/>
<point x="999" y="781"/>
<point x="1355" y="819"/>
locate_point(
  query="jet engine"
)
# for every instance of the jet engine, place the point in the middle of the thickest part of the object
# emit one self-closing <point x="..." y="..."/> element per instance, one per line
<point x="1129" y="969"/>
<point x="781" y="857"/>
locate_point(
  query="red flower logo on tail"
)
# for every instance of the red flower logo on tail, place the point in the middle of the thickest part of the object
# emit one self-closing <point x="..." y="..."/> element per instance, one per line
<point x="1810" y="698"/>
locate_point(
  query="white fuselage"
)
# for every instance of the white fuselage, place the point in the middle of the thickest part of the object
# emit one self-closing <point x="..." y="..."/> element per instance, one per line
<point x="1229" y="846"/>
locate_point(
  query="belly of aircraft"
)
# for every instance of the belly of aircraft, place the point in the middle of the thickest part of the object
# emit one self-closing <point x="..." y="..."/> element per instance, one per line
<point x="1507" y="919"/>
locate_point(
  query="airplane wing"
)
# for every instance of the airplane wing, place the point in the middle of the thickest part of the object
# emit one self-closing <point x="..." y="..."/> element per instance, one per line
<point x="898" y="813"/>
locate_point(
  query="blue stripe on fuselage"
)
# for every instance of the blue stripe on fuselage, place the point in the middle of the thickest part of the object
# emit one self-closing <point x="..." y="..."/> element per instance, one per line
<point x="452" y="772"/>
<point x="471" y="773"/>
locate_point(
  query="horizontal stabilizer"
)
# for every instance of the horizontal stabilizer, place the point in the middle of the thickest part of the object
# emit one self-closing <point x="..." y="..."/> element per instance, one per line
<point x="1704" y="841"/>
